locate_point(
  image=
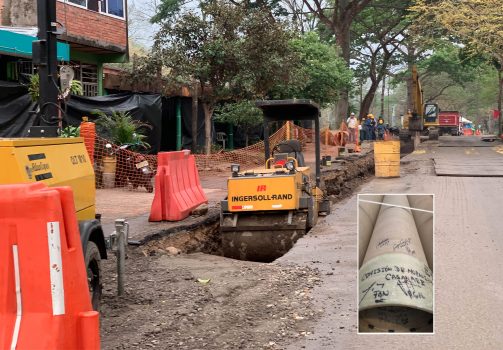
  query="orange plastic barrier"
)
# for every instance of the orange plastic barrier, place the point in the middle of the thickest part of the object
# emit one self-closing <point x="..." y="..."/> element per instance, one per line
<point x="88" y="132"/>
<point x="178" y="190"/>
<point x="44" y="297"/>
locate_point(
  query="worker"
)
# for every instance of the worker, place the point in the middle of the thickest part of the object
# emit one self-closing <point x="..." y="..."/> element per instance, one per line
<point x="352" y="124"/>
<point x="370" y="127"/>
<point x="361" y="128"/>
<point x="381" y="128"/>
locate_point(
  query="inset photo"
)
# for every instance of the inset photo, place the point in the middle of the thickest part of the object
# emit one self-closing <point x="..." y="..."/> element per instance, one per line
<point x="395" y="263"/>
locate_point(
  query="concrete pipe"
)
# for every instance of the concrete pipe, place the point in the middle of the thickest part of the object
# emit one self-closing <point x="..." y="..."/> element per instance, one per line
<point x="367" y="215"/>
<point x="395" y="281"/>
<point x="424" y="223"/>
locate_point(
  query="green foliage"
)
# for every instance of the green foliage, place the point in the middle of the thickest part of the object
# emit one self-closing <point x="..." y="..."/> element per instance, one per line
<point x="76" y="88"/>
<point x="232" y="52"/>
<point x="122" y="129"/>
<point x="166" y="9"/>
<point x="447" y="59"/>
<point x="321" y="73"/>
<point x="70" y="131"/>
<point x="243" y="114"/>
<point x="34" y="87"/>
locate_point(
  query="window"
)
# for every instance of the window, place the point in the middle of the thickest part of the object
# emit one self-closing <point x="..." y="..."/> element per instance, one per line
<point x="79" y="2"/>
<point x="111" y="7"/>
<point x="87" y="74"/>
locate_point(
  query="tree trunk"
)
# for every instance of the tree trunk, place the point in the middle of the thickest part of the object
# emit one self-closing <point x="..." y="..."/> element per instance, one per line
<point x="411" y="53"/>
<point x="361" y="92"/>
<point x="369" y="98"/>
<point x="383" y="91"/>
<point x="341" y="112"/>
<point x="500" y="101"/>
<point x="343" y="40"/>
<point x="195" y="114"/>
<point x="208" y="112"/>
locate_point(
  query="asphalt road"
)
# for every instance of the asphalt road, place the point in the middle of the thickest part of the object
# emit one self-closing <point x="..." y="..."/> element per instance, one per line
<point x="468" y="254"/>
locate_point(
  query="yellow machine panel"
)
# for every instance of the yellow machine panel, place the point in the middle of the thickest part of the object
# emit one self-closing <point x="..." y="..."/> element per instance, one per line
<point x="264" y="192"/>
<point x="54" y="161"/>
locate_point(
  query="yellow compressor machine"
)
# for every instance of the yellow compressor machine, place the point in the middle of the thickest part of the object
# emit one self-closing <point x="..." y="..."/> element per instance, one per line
<point x="269" y="208"/>
<point x="58" y="161"/>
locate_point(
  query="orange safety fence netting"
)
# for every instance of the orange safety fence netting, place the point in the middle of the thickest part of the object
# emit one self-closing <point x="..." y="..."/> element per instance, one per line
<point x="116" y="167"/>
<point x="253" y="155"/>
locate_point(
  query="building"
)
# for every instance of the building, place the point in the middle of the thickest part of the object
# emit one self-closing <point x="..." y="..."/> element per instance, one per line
<point x="96" y="33"/>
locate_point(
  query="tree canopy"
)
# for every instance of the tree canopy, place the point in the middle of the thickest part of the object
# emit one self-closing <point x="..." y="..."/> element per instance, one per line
<point x="231" y="52"/>
<point x="478" y="23"/>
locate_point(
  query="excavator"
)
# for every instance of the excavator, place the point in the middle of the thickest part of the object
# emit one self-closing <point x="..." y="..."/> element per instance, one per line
<point x="423" y="118"/>
<point x="269" y="208"/>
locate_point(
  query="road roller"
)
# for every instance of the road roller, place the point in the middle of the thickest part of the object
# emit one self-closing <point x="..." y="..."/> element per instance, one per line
<point x="269" y="208"/>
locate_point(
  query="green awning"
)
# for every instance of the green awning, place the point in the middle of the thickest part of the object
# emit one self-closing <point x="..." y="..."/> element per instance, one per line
<point x="17" y="44"/>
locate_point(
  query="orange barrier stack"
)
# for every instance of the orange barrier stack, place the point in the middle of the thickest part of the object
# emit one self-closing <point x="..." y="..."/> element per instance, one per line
<point x="44" y="297"/>
<point x="88" y="132"/>
<point x="178" y="190"/>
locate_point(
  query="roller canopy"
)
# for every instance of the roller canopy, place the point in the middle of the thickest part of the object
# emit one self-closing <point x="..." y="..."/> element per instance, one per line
<point x="289" y="109"/>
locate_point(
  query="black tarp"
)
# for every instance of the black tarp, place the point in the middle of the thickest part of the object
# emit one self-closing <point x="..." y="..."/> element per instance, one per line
<point x="169" y="123"/>
<point x="160" y="113"/>
<point x="144" y="107"/>
<point x="15" y="107"/>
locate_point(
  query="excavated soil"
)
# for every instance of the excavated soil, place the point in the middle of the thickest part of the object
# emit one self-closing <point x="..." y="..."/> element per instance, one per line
<point x="201" y="301"/>
<point x="342" y="182"/>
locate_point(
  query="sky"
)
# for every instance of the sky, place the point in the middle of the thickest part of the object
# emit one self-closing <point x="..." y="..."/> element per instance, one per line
<point x="140" y="30"/>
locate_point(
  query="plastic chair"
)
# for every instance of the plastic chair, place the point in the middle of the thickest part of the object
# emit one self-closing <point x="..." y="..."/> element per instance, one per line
<point x="222" y="137"/>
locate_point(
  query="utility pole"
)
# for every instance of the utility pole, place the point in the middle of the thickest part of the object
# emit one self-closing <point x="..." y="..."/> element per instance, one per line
<point x="45" y="58"/>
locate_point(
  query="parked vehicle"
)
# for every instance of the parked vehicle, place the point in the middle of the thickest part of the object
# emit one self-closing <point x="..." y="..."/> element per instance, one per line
<point x="133" y="168"/>
<point x="467" y="127"/>
<point x="449" y="123"/>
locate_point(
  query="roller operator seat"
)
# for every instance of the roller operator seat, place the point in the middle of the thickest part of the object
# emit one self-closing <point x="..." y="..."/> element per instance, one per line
<point x="293" y="148"/>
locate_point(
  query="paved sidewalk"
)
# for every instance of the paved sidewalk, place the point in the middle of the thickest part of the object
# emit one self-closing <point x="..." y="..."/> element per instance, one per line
<point x="134" y="205"/>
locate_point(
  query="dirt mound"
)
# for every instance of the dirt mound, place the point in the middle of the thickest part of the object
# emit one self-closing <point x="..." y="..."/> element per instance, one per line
<point x="340" y="183"/>
<point x="169" y="305"/>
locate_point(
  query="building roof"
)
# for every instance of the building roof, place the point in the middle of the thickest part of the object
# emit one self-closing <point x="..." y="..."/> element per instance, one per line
<point x="30" y="31"/>
<point x="17" y="41"/>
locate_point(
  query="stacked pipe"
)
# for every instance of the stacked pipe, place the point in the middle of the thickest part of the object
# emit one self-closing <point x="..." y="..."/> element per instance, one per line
<point x="395" y="261"/>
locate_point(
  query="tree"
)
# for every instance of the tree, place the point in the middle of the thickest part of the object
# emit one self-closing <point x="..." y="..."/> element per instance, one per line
<point x="337" y="16"/>
<point x="378" y="32"/>
<point x="321" y="74"/>
<point x="478" y="23"/>
<point x="232" y="52"/>
<point x="243" y="113"/>
<point x="446" y="68"/>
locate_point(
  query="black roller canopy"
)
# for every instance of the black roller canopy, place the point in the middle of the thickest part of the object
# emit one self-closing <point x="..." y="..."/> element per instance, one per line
<point x="289" y="109"/>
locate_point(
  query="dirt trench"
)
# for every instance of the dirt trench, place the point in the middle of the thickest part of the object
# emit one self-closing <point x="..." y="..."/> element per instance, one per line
<point x="178" y="297"/>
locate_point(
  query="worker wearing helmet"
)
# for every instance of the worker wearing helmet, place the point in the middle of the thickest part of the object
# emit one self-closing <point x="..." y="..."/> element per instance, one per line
<point x="370" y="126"/>
<point x="381" y="128"/>
<point x="352" y="124"/>
<point x="363" y="130"/>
